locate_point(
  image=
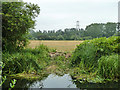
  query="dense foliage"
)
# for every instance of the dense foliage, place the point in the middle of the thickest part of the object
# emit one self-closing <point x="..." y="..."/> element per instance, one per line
<point x="17" y="19"/>
<point x="98" y="54"/>
<point x="108" y="66"/>
<point x="28" y="60"/>
<point x="95" y="30"/>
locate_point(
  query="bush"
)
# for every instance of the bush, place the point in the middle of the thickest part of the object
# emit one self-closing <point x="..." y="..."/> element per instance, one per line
<point x="108" y="66"/>
<point x="28" y="60"/>
<point x="106" y="46"/>
<point x="90" y="51"/>
<point x="99" y="55"/>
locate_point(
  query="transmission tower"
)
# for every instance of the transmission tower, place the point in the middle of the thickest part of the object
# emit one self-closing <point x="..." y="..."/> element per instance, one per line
<point x="77" y="25"/>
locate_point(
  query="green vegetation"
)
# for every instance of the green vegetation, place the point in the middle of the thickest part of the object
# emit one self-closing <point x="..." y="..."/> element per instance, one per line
<point x="92" y="61"/>
<point x="59" y="65"/>
<point x="98" y="56"/>
<point x="95" y="30"/>
<point x="17" y="19"/>
<point x="12" y="84"/>
<point x="28" y="60"/>
<point x="108" y="66"/>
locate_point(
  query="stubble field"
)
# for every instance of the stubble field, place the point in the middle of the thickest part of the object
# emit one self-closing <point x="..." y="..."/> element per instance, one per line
<point x="62" y="46"/>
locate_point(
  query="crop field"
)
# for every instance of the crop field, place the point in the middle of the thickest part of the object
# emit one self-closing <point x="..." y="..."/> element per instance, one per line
<point x="63" y="46"/>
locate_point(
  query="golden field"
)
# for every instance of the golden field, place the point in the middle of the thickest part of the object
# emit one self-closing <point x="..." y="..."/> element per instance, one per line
<point x="63" y="46"/>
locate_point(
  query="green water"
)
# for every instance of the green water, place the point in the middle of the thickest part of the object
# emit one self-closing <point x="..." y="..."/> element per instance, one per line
<point x="54" y="81"/>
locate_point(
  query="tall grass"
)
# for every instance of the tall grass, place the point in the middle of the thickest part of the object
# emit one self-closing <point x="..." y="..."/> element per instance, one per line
<point x="27" y="60"/>
<point x="108" y="66"/>
<point x="86" y="54"/>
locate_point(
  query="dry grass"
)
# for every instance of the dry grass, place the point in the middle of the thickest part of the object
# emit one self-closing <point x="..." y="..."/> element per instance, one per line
<point x="58" y="45"/>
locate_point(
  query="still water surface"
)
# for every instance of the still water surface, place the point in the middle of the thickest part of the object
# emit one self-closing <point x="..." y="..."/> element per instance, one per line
<point x="54" y="81"/>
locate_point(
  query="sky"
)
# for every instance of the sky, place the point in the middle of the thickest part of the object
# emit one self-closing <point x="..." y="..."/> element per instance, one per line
<point x="61" y="14"/>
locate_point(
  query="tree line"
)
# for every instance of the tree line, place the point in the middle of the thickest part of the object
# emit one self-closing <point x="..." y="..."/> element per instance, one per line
<point x="95" y="30"/>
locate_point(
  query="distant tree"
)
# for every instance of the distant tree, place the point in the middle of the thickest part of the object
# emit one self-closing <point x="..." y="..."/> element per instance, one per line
<point x="60" y="37"/>
<point x="110" y="29"/>
<point x="17" y="19"/>
<point x="100" y="30"/>
<point x="94" y="30"/>
<point x="31" y="34"/>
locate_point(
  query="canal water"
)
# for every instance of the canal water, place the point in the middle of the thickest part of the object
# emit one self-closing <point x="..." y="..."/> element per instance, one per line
<point x="55" y="81"/>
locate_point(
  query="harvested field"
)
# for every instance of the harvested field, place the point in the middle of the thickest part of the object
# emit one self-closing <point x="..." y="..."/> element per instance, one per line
<point x="61" y="46"/>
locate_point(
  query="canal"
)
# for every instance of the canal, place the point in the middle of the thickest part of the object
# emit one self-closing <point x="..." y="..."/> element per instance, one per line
<point x="55" y="81"/>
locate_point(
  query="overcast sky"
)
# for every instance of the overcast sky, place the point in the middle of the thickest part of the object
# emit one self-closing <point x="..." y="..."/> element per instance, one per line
<point x="61" y="14"/>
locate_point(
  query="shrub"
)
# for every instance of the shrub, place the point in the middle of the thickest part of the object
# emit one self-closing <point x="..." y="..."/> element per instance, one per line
<point x="27" y="60"/>
<point x="106" y="46"/>
<point x="91" y="50"/>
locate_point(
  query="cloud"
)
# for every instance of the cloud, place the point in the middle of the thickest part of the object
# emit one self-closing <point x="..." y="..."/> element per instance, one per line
<point x="70" y="1"/>
<point x="60" y="14"/>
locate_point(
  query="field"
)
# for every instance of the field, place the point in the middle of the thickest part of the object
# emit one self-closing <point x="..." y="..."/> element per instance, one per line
<point x="63" y="46"/>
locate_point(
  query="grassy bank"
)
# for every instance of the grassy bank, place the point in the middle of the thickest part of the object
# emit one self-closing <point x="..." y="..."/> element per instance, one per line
<point x="34" y="63"/>
<point x="97" y="60"/>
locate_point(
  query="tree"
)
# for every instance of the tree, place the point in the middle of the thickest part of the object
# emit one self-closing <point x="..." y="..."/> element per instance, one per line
<point x="110" y="29"/>
<point x="94" y="30"/>
<point x="100" y="30"/>
<point x="17" y="19"/>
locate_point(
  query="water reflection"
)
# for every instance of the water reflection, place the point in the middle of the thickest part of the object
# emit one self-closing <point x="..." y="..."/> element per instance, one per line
<point x="54" y="81"/>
